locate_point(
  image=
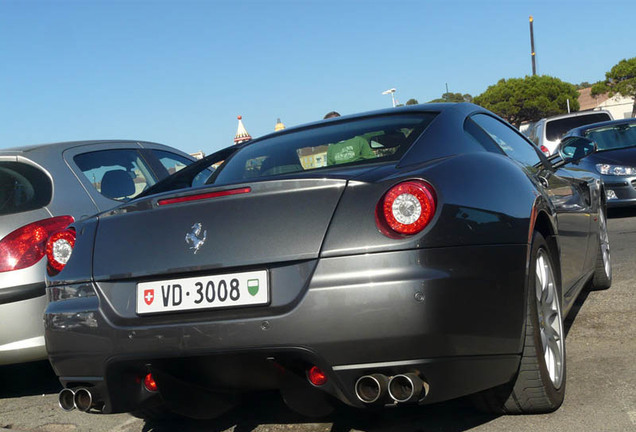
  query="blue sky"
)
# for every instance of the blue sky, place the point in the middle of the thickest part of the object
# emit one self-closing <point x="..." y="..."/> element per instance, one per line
<point x="179" y="72"/>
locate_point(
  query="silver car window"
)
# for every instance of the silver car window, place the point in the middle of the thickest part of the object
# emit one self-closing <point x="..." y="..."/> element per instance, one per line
<point x="555" y="129"/>
<point x="119" y="174"/>
<point x="23" y="188"/>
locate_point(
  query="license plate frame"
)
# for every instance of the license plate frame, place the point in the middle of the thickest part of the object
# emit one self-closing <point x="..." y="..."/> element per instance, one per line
<point x="222" y="291"/>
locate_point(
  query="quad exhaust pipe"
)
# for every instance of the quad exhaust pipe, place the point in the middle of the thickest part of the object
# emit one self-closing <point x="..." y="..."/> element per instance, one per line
<point x="65" y="399"/>
<point x="371" y="389"/>
<point x="81" y="398"/>
<point x="406" y="387"/>
<point x="401" y="388"/>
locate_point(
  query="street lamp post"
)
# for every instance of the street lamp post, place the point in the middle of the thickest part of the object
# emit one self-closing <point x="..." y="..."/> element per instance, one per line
<point x="532" y="54"/>
<point x="392" y="93"/>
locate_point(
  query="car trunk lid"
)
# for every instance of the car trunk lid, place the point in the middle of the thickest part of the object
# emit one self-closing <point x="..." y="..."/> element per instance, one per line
<point x="209" y="229"/>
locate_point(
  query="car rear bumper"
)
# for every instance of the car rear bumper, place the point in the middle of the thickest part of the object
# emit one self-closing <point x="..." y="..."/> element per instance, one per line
<point x="22" y="330"/>
<point x="22" y="303"/>
<point x="454" y="316"/>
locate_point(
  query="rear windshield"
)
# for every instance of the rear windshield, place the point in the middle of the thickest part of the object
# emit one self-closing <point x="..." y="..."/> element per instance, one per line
<point x="555" y="129"/>
<point x="22" y="188"/>
<point x="345" y="143"/>
<point x="613" y="137"/>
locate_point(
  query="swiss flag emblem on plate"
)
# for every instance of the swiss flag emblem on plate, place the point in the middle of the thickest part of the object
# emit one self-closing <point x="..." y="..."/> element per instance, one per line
<point x="149" y="296"/>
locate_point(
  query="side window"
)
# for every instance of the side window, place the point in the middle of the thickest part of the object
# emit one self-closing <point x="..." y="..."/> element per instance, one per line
<point x="509" y="140"/>
<point x="477" y="134"/>
<point x="119" y="174"/>
<point x="171" y="161"/>
<point x="205" y="176"/>
<point x="23" y="188"/>
<point x="215" y="163"/>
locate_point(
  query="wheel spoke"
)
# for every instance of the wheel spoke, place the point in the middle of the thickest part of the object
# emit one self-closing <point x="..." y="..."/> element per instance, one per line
<point x="544" y="340"/>
<point x="541" y="278"/>
<point x="554" y="325"/>
<point x="554" y="360"/>
<point x="549" y="295"/>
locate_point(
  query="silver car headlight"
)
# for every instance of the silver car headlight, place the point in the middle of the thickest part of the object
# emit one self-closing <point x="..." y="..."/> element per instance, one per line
<point x="617" y="170"/>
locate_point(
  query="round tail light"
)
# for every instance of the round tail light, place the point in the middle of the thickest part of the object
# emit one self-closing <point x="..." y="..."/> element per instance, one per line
<point x="59" y="248"/>
<point x="406" y="209"/>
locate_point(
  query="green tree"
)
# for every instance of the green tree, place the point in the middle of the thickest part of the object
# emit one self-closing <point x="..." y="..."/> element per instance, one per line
<point x="412" y="102"/>
<point x="531" y="98"/>
<point x="621" y="79"/>
<point x="453" y="97"/>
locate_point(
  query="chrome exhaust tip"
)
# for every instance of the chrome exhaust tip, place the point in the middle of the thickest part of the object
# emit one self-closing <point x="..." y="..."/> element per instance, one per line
<point x="371" y="389"/>
<point x="66" y="399"/>
<point x="83" y="399"/>
<point x="406" y="387"/>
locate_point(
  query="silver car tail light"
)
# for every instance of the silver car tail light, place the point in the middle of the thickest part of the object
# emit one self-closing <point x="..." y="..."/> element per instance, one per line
<point x="26" y="246"/>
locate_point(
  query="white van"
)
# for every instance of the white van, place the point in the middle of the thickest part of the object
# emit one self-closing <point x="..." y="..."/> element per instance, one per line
<point x="547" y="132"/>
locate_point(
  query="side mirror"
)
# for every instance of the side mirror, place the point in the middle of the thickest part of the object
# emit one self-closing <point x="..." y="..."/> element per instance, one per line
<point x="575" y="148"/>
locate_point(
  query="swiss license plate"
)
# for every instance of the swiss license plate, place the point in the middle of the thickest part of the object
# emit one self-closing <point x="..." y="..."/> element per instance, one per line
<point x="204" y="292"/>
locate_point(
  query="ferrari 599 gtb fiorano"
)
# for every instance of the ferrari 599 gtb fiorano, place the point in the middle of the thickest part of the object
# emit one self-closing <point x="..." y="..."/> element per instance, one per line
<point x="405" y="256"/>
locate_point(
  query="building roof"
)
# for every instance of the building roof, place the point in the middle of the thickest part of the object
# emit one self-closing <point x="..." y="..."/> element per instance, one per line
<point x="588" y="102"/>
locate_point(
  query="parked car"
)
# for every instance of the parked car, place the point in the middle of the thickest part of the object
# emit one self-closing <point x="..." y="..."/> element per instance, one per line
<point x="615" y="158"/>
<point x="433" y="254"/>
<point x="547" y="132"/>
<point x="43" y="188"/>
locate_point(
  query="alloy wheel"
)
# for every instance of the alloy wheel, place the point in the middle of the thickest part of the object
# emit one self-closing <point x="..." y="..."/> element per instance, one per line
<point x="550" y="322"/>
<point x="604" y="241"/>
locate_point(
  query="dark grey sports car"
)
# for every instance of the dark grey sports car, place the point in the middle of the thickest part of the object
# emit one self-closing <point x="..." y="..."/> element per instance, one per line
<point x="404" y="256"/>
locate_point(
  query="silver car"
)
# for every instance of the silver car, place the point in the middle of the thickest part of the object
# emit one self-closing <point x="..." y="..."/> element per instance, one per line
<point x="43" y="188"/>
<point x="547" y="132"/>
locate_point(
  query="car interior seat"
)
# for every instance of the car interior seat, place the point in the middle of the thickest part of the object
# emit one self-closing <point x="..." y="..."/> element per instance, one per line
<point x="280" y="164"/>
<point x="117" y="184"/>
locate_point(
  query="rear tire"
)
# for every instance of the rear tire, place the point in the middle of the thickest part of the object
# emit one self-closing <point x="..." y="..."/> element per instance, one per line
<point x="540" y="383"/>
<point x="603" y="270"/>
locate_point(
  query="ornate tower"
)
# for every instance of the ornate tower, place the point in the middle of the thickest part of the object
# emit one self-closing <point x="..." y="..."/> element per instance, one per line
<point x="279" y="126"/>
<point x="241" y="132"/>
